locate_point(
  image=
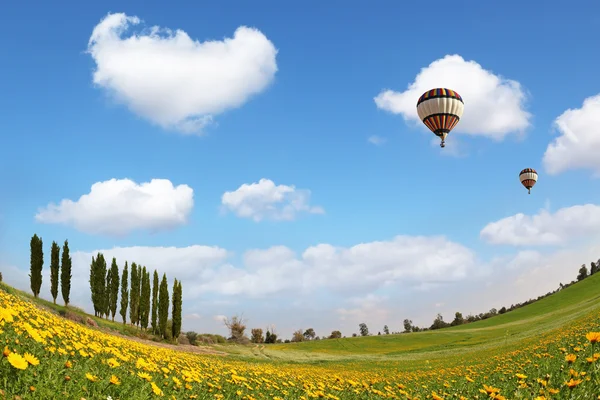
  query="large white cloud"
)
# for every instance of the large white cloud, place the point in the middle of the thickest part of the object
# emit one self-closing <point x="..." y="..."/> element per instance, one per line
<point x="265" y="200"/>
<point x="494" y="106"/>
<point x="175" y="81"/>
<point x="545" y="228"/>
<point x="578" y="145"/>
<point x="119" y="206"/>
<point x="359" y="269"/>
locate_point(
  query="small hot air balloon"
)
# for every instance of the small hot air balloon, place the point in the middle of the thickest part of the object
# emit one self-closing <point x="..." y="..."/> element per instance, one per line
<point x="528" y="178"/>
<point x="440" y="110"/>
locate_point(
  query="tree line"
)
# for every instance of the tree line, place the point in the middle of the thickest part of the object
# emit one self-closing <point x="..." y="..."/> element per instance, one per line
<point x="60" y="269"/>
<point x="147" y="304"/>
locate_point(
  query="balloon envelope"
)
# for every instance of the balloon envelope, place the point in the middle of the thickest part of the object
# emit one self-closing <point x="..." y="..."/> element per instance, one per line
<point x="440" y="110"/>
<point x="528" y="178"/>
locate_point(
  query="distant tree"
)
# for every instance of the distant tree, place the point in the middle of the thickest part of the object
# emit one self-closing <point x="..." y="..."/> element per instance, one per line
<point x="271" y="336"/>
<point x="155" y="303"/>
<point x="124" y="293"/>
<point x="237" y="328"/>
<point x="65" y="273"/>
<point x="107" y="291"/>
<point x="583" y="273"/>
<point x="163" y="306"/>
<point x="257" y="336"/>
<point x="140" y="276"/>
<point x="297" y="336"/>
<point x="593" y="268"/>
<point x="101" y="282"/>
<point x="192" y="337"/>
<point x="458" y="319"/>
<point x="335" y="335"/>
<point x="493" y="312"/>
<point x="502" y="310"/>
<point x="177" y="304"/>
<point x="407" y="325"/>
<point x="309" y="334"/>
<point x="36" y="264"/>
<point x="54" y="270"/>
<point x="134" y="297"/>
<point x="364" y="331"/>
<point x="386" y="330"/>
<point x="354" y="335"/>
<point x="145" y="301"/>
<point x="438" y="322"/>
<point x="114" y="290"/>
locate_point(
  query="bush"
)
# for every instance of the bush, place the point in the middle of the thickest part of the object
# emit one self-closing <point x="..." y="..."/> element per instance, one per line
<point x="192" y="336"/>
<point x="0" y="276"/>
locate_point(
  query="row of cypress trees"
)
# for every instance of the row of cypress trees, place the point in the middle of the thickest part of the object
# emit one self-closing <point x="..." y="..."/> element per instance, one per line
<point x="60" y="268"/>
<point x="148" y="304"/>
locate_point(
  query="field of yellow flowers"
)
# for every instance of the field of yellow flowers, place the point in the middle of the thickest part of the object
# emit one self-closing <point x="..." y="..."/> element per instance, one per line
<point x="47" y="357"/>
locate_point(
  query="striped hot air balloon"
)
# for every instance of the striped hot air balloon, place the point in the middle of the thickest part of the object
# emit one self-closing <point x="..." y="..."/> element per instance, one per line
<point x="440" y="110"/>
<point x="528" y="178"/>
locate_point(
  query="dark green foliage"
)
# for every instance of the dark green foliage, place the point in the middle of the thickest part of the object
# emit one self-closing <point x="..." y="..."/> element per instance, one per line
<point x="124" y="293"/>
<point x="134" y="295"/>
<point x="155" y="303"/>
<point x="145" y="299"/>
<point x="65" y="273"/>
<point x="192" y="337"/>
<point x="98" y="281"/>
<point x="113" y="296"/>
<point x="177" y="303"/>
<point x="140" y="277"/>
<point x="163" y="306"/>
<point x="107" y="291"/>
<point x="583" y="273"/>
<point x="36" y="264"/>
<point x="54" y="269"/>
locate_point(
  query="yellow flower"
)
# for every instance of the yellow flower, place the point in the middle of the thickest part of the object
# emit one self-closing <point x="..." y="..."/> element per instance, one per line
<point x="114" y="380"/>
<point x="31" y="359"/>
<point x="570" y="358"/>
<point x="32" y="388"/>
<point x="17" y="361"/>
<point x="157" y="391"/>
<point x="572" y="383"/>
<point x="593" y="337"/>
<point x="68" y="364"/>
<point x="91" y="377"/>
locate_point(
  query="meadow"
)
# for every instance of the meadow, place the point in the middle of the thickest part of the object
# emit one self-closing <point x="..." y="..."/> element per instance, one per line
<point x="546" y="350"/>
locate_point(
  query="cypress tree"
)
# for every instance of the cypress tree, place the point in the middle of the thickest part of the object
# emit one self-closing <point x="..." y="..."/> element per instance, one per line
<point x="176" y="327"/>
<point x="65" y="273"/>
<point x="94" y="285"/>
<point x="101" y="282"/>
<point x="107" y="292"/>
<point x="155" y="302"/>
<point x="114" y="289"/>
<point x="133" y="293"/>
<point x="124" y="294"/>
<point x="163" y="306"/>
<point x="36" y="264"/>
<point x="140" y="276"/>
<point x="145" y="298"/>
<point x="54" y="270"/>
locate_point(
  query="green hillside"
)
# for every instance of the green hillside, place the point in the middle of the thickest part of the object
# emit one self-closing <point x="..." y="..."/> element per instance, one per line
<point x="544" y="315"/>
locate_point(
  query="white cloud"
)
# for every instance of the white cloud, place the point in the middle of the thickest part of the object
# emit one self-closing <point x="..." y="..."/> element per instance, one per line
<point x="578" y="145"/>
<point x="265" y="200"/>
<point x="359" y="270"/>
<point x="376" y="140"/>
<point x="175" y="81"/>
<point x="119" y="206"/>
<point x="545" y="228"/>
<point x="494" y="106"/>
<point x="368" y="308"/>
<point x="220" y="318"/>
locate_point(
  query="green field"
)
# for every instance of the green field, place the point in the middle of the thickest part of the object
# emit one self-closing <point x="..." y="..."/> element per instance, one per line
<point x="506" y="330"/>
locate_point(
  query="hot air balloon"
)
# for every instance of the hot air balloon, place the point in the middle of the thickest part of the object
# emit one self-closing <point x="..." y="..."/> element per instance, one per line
<point x="440" y="110"/>
<point x="528" y="178"/>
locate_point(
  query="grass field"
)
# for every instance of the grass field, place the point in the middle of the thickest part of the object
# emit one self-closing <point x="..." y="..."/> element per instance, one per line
<point x="544" y="350"/>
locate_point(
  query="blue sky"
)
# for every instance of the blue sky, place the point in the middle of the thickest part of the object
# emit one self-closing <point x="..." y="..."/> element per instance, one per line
<point x="302" y="116"/>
